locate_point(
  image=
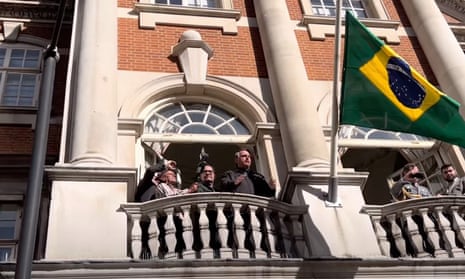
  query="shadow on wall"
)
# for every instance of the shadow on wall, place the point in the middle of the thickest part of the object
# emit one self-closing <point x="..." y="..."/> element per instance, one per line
<point x="317" y="243"/>
<point x="380" y="163"/>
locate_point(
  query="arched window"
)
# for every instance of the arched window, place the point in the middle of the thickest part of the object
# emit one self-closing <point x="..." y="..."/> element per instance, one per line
<point x="179" y="131"/>
<point x="194" y="118"/>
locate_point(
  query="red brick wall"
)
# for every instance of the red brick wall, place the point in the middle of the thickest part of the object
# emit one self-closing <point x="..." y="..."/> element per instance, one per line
<point x="19" y="140"/>
<point x="319" y="55"/>
<point x="149" y="50"/>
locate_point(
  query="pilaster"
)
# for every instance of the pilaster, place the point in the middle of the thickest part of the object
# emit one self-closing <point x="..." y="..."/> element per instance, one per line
<point x="92" y="119"/>
<point x="302" y="135"/>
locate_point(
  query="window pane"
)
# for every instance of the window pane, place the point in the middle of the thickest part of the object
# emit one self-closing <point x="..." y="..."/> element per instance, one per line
<point x="5" y="254"/>
<point x="203" y="118"/>
<point x="198" y="129"/>
<point x="25" y="102"/>
<point x="170" y="110"/>
<point x="181" y="120"/>
<point x="214" y="120"/>
<point x="17" y="57"/>
<point x="13" y="79"/>
<point x="20" y="89"/>
<point x="8" y="215"/>
<point x="32" y="59"/>
<point x="197" y="116"/>
<point x="357" y="4"/>
<point x="226" y="130"/>
<point x="11" y="90"/>
<point x="2" y="56"/>
<point x="9" y="101"/>
<point x="240" y="128"/>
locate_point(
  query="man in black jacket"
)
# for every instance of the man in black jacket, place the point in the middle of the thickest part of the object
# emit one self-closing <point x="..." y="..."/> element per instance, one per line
<point x="244" y="180"/>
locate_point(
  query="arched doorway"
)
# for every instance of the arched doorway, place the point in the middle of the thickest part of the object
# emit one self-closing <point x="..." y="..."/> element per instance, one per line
<point x="180" y="130"/>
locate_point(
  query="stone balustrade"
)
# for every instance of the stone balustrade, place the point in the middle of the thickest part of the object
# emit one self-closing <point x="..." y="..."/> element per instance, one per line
<point x="215" y="225"/>
<point x="420" y="228"/>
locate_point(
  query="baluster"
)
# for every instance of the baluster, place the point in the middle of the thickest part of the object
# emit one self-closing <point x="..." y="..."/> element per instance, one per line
<point x="431" y="236"/>
<point x="215" y="243"/>
<point x="285" y="244"/>
<point x="136" y="235"/>
<point x="300" y="248"/>
<point x="271" y="232"/>
<point x="187" y="232"/>
<point x="153" y="235"/>
<point x="397" y="235"/>
<point x="381" y="234"/>
<point x="204" y="231"/>
<point x="170" y="233"/>
<point x="161" y="222"/>
<point x="239" y="232"/>
<point x="412" y="233"/>
<point x="458" y="224"/>
<point x="255" y="228"/>
<point x="222" y="225"/>
<point x="447" y="233"/>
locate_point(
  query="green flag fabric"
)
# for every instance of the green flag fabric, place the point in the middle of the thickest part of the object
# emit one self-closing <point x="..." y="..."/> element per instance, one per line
<point x="380" y="90"/>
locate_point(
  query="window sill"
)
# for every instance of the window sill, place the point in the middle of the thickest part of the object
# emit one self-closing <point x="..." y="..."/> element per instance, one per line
<point x="319" y="27"/>
<point x="20" y="116"/>
<point x="151" y="14"/>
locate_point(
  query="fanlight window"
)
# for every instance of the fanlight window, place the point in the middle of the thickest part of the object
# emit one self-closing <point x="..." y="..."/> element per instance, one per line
<point x="194" y="118"/>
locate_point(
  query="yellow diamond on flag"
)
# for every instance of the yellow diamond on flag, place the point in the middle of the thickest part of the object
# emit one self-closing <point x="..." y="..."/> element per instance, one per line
<point x="412" y="94"/>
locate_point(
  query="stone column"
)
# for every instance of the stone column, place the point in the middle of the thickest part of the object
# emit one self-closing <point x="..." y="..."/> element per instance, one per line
<point x="92" y="131"/>
<point x="301" y="130"/>
<point x="441" y="48"/>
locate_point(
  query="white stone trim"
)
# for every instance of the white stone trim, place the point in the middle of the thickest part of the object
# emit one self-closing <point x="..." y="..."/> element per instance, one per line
<point x="18" y="118"/>
<point x="319" y="27"/>
<point x="151" y="14"/>
<point x="218" y="91"/>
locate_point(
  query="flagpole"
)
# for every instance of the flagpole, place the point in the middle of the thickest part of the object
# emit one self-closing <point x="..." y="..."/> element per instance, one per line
<point x="333" y="176"/>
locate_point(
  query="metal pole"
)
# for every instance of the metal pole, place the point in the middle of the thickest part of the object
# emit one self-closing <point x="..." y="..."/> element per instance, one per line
<point x="333" y="177"/>
<point x="34" y="187"/>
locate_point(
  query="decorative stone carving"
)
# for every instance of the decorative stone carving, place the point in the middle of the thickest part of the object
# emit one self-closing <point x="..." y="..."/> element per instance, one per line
<point x="193" y="55"/>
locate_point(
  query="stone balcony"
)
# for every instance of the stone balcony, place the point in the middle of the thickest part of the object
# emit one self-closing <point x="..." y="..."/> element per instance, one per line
<point x="215" y="226"/>
<point x="421" y="228"/>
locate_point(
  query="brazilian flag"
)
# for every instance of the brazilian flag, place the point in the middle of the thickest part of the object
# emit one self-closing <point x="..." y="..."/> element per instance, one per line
<point x="380" y="90"/>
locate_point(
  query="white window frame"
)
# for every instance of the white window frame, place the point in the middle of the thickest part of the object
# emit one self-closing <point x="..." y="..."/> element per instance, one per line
<point x="223" y="17"/>
<point x="349" y="7"/>
<point x="319" y="27"/>
<point x="12" y="244"/>
<point x="191" y="3"/>
<point x="6" y="70"/>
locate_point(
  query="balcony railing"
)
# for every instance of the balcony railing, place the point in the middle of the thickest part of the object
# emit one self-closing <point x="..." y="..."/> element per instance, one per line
<point x="215" y="225"/>
<point x="420" y="228"/>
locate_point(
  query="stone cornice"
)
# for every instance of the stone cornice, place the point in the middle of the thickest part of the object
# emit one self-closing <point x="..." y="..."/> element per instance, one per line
<point x="34" y="11"/>
<point x="455" y="8"/>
